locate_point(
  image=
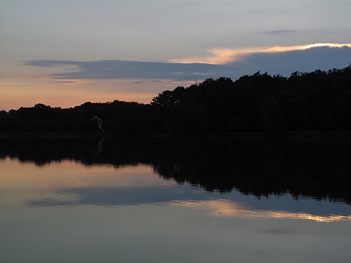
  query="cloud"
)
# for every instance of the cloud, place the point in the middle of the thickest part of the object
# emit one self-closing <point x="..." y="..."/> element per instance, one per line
<point x="66" y="81"/>
<point x="302" y="60"/>
<point x="222" y="56"/>
<point x="231" y="63"/>
<point x="121" y="69"/>
<point x="279" y="32"/>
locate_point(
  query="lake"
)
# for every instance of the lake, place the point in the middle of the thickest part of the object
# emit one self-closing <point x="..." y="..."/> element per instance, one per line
<point x="103" y="199"/>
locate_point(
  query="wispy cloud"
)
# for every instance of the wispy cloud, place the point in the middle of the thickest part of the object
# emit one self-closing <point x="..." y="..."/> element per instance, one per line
<point x="120" y="69"/>
<point x="222" y="56"/>
<point x="279" y="32"/>
<point x="66" y="81"/>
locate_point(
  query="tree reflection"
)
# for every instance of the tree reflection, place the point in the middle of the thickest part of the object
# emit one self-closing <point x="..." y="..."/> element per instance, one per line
<point x="260" y="168"/>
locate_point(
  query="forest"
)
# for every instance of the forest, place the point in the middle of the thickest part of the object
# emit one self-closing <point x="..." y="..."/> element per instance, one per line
<point x="315" y="101"/>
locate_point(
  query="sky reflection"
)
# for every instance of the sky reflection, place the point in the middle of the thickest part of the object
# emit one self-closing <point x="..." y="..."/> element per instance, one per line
<point x="68" y="183"/>
<point x="68" y="212"/>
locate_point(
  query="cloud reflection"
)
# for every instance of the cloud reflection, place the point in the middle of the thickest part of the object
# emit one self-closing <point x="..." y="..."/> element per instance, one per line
<point x="184" y="197"/>
<point x="225" y="208"/>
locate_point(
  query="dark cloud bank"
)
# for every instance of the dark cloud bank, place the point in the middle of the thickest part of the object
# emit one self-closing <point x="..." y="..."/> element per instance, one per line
<point x="322" y="58"/>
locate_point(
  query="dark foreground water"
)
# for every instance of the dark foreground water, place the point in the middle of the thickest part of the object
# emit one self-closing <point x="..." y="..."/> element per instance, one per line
<point x="109" y="200"/>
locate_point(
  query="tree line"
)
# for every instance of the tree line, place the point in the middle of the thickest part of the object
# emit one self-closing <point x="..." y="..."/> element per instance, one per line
<point x="319" y="100"/>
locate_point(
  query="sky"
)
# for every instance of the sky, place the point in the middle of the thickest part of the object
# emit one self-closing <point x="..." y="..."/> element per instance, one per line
<point x="64" y="53"/>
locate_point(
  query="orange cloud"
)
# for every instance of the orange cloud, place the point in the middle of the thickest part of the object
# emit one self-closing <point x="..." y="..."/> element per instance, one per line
<point x="224" y="208"/>
<point x="220" y="56"/>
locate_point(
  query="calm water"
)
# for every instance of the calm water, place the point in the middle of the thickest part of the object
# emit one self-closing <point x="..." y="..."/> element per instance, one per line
<point x="102" y="200"/>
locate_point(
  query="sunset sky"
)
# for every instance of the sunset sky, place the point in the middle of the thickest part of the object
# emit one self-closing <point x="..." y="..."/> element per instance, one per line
<point x="64" y="53"/>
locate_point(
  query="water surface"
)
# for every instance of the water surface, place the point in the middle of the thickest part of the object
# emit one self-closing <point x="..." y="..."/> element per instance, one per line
<point x="103" y="200"/>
